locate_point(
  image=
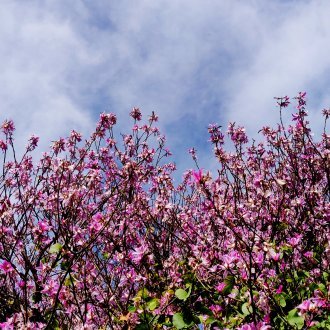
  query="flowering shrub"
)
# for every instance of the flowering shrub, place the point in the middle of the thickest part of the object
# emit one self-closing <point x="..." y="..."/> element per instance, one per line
<point x="96" y="236"/>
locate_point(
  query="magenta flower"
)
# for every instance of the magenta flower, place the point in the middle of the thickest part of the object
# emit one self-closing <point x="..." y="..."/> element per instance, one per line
<point x="136" y="114"/>
<point x="7" y="325"/>
<point x="3" y="145"/>
<point x="6" y="267"/>
<point x="283" y="101"/>
<point x="138" y="254"/>
<point x="198" y="175"/>
<point x="220" y="286"/>
<point x="33" y="142"/>
<point x="8" y="127"/>
<point x="279" y="289"/>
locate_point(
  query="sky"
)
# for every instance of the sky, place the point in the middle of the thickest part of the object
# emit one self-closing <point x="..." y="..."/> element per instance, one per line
<point x="192" y="62"/>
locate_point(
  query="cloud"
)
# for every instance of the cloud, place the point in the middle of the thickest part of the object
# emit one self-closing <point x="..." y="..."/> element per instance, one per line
<point x="291" y="58"/>
<point x="192" y="62"/>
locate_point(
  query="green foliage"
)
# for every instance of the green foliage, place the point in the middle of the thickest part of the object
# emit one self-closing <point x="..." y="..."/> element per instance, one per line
<point x="295" y="320"/>
<point x="55" y="248"/>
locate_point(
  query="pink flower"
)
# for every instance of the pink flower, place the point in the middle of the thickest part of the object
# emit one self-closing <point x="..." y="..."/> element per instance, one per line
<point x="279" y="289"/>
<point x="294" y="241"/>
<point x="42" y="228"/>
<point x="136" y="114"/>
<point x="6" y="267"/>
<point x="50" y="288"/>
<point x="198" y="175"/>
<point x="7" y="325"/>
<point x="220" y="286"/>
<point x="96" y="224"/>
<point x="216" y="309"/>
<point x="311" y="305"/>
<point x="33" y="142"/>
<point x="8" y="127"/>
<point x="108" y="120"/>
<point x="282" y="101"/>
<point x="138" y="254"/>
<point x="3" y="145"/>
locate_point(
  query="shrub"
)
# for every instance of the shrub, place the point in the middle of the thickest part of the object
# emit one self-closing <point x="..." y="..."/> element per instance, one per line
<point x="97" y="236"/>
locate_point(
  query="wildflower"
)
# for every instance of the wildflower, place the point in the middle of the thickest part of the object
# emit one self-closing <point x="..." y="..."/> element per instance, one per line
<point x="33" y="142"/>
<point x="3" y="145"/>
<point x="138" y="253"/>
<point x="198" y="175"/>
<point x="8" y="127"/>
<point x="6" y="267"/>
<point x="282" y="101"/>
<point x="136" y="114"/>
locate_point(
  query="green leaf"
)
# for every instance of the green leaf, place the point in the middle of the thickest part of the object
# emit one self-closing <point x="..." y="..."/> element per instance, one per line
<point x="65" y="265"/>
<point x="282" y="301"/>
<point x="189" y="287"/>
<point x="179" y="322"/>
<point x="153" y="304"/>
<point x="289" y="279"/>
<point x="322" y="288"/>
<point x="294" y="319"/>
<point x="181" y="294"/>
<point x="55" y="248"/>
<point x="246" y="309"/>
<point x="210" y="320"/>
<point x="69" y="281"/>
<point x="143" y="293"/>
<point x="229" y="281"/>
<point x="131" y="309"/>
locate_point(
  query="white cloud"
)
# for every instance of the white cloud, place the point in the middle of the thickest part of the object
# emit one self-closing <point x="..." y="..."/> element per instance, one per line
<point x="193" y="62"/>
<point x="292" y="58"/>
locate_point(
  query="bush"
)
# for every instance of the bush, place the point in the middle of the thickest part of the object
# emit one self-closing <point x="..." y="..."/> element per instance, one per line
<point x="96" y="236"/>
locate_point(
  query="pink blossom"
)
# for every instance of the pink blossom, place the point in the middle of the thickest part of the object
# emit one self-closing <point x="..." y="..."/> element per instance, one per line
<point x="221" y="286"/>
<point x="136" y="114"/>
<point x="7" y="325"/>
<point x="279" y="289"/>
<point x="8" y="127"/>
<point x="283" y="101"/>
<point x="33" y="142"/>
<point x="216" y="309"/>
<point x="6" y="267"/>
<point x="198" y="175"/>
<point x="138" y="254"/>
<point x="3" y="145"/>
<point x="96" y="224"/>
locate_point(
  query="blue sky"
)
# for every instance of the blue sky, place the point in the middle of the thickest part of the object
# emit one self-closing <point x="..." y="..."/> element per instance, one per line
<point x="192" y="62"/>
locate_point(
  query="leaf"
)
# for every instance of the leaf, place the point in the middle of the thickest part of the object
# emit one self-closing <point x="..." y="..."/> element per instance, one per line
<point x="229" y="281"/>
<point x="181" y="294"/>
<point x="55" y="248"/>
<point x="143" y="293"/>
<point x="322" y="288"/>
<point x="131" y="309"/>
<point x="153" y="304"/>
<point x="179" y="322"/>
<point x="69" y="281"/>
<point x="189" y="287"/>
<point x="282" y="301"/>
<point x="210" y="320"/>
<point x="294" y="319"/>
<point x="246" y="309"/>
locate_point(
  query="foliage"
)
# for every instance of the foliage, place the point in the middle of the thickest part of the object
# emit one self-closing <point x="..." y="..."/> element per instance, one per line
<point x="97" y="236"/>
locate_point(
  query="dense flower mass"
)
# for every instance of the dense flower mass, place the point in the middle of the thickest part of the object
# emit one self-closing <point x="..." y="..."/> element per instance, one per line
<point x="97" y="236"/>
